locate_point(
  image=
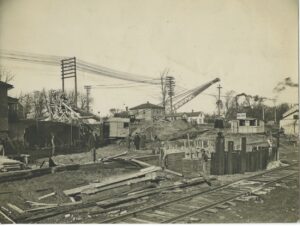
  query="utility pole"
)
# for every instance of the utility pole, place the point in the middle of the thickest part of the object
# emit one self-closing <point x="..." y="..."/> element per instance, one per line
<point x="68" y="70"/>
<point x="275" y="111"/>
<point x="170" y="83"/>
<point x="219" y="100"/>
<point x="88" y="92"/>
<point x="164" y="88"/>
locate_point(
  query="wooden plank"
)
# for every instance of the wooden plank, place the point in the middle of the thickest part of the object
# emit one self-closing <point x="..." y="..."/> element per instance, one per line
<point x="154" y="216"/>
<point x="91" y="191"/>
<point x="229" y="157"/>
<point x="211" y="210"/>
<point x="46" y="196"/>
<point x="112" y="157"/>
<point x="243" y="155"/>
<point x="15" y="208"/>
<point x="173" y="172"/>
<point x="141" y="173"/>
<point x="51" y="206"/>
<point x="143" y="221"/>
<point x="6" y="217"/>
<point x="140" y="162"/>
<point x="164" y="213"/>
<point x="120" y="200"/>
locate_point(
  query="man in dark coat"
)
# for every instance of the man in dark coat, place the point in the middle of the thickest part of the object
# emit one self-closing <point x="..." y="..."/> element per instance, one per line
<point x="137" y="140"/>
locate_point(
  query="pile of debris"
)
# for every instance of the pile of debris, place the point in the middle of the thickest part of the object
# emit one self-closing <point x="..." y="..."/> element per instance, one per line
<point x="165" y="130"/>
<point x="7" y="164"/>
<point x="103" y="196"/>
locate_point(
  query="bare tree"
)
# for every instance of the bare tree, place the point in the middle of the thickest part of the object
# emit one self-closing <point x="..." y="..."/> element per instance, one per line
<point x="26" y="101"/>
<point x="6" y="75"/>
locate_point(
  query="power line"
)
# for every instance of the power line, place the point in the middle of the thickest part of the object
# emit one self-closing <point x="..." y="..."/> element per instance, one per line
<point x="82" y="65"/>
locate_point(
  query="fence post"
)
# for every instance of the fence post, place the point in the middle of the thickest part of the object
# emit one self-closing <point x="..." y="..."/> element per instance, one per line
<point x="229" y="157"/>
<point x="243" y="155"/>
<point x="220" y="154"/>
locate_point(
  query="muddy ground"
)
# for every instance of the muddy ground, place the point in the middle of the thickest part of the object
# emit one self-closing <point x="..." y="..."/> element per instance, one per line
<point x="280" y="205"/>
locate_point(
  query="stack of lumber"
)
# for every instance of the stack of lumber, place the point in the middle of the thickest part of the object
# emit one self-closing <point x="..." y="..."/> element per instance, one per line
<point x="113" y="182"/>
<point x="7" y="164"/>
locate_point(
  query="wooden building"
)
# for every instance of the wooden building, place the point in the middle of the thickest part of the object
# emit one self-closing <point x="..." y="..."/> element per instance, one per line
<point x="117" y="128"/>
<point x="4" y="87"/>
<point x="195" y="118"/>
<point x="147" y="112"/>
<point x="290" y="121"/>
<point x="245" y="124"/>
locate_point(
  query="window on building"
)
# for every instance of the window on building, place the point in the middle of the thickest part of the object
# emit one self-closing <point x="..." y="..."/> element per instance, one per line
<point x="242" y="122"/>
<point x="252" y="122"/>
<point x="144" y="111"/>
<point x="126" y="125"/>
<point x="295" y="116"/>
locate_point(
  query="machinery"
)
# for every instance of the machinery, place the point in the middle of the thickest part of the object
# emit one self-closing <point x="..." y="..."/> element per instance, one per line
<point x="190" y="95"/>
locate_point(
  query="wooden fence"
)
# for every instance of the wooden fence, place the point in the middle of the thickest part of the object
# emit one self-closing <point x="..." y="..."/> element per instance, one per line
<point x="239" y="161"/>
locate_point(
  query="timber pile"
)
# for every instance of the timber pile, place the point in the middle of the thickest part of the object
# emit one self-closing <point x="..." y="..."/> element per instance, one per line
<point x="7" y="164"/>
<point x="115" y="181"/>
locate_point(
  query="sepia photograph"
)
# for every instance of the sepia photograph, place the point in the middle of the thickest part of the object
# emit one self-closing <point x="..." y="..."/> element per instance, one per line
<point x="149" y="111"/>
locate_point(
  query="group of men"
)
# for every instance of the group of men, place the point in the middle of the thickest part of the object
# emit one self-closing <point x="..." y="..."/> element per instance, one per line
<point x="136" y="142"/>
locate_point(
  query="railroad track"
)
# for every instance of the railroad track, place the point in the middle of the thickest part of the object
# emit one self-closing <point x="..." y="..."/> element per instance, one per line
<point x="181" y="209"/>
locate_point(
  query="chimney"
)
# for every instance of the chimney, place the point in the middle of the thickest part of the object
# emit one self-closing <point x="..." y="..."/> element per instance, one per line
<point x="126" y="108"/>
<point x="192" y="110"/>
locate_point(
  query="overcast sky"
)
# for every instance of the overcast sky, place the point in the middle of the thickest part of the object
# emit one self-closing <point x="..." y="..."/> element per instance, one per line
<point x="251" y="45"/>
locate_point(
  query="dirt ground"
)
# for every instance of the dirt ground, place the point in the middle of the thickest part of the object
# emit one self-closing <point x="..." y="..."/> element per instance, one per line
<point x="280" y="205"/>
<point x="86" y="157"/>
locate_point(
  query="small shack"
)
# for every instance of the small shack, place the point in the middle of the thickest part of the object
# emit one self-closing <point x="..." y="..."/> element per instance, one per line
<point x="117" y="127"/>
<point x="245" y="124"/>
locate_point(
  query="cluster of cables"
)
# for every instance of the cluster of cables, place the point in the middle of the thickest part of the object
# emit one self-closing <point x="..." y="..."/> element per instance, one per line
<point x="80" y="65"/>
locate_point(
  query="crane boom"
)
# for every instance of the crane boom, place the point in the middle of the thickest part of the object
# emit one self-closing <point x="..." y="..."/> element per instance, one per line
<point x="191" y="96"/>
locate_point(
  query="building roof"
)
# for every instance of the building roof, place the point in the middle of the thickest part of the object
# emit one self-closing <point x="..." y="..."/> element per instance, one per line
<point x="147" y="106"/>
<point x="292" y="110"/>
<point x="6" y="85"/>
<point x="12" y="100"/>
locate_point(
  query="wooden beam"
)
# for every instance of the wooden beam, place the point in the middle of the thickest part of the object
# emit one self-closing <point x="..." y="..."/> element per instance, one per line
<point x="6" y="217"/>
<point x="140" y="162"/>
<point x="115" y="180"/>
<point x="15" y="208"/>
<point x="46" y="196"/>
<point x="173" y="172"/>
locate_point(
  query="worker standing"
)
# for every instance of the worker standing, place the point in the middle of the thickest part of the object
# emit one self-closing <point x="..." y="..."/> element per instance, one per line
<point x="128" y="142"/>
<point x="2" y="150"/>
<point x="51" y="162"/>
<point x="204" y="161"/>
<point x="137" y="140"/>
<point x="92" y="146"/>
<point x="143" y="141"/>
<point x="162" y="155"/>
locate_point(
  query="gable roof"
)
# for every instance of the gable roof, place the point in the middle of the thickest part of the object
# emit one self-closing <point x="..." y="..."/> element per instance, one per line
<point x="12" y="100"/>
<point x="6" y="85"/>
<point x="146" y="106"/>
<point x="292" y="110"/>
